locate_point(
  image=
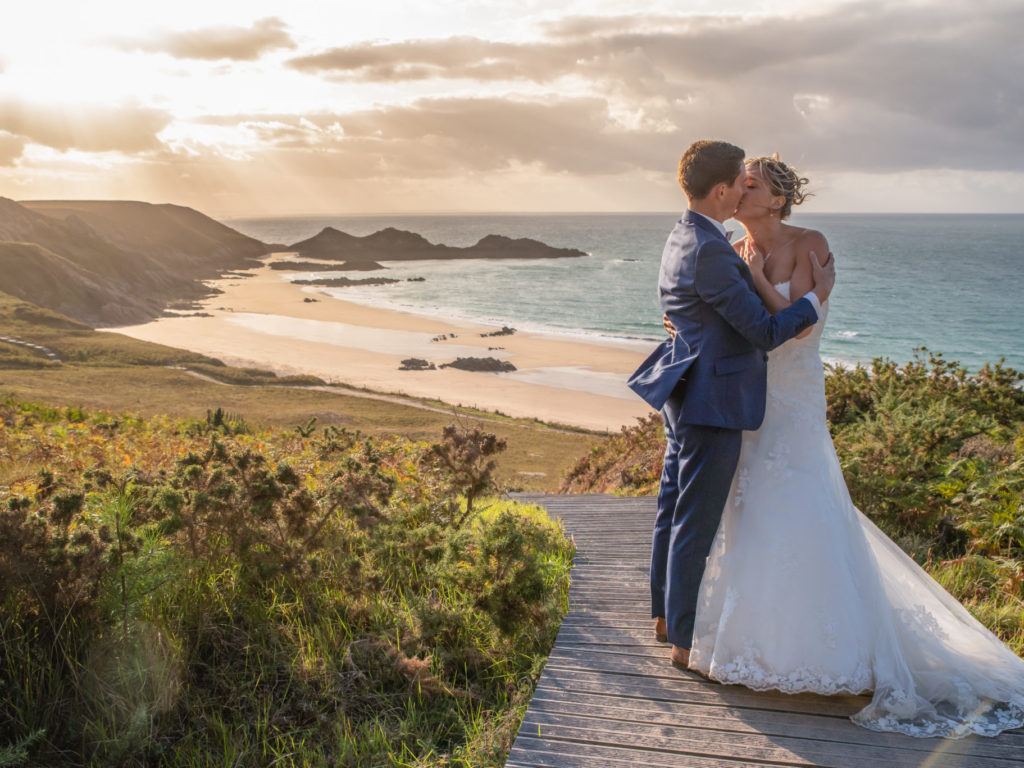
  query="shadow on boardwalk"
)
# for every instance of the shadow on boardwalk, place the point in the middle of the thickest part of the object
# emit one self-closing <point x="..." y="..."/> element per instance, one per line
<point x="609" y="698"/>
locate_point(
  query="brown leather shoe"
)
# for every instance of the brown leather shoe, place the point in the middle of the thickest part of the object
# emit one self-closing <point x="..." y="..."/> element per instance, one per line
<point x="660" y="630"/>
<point x="680" y="657"/>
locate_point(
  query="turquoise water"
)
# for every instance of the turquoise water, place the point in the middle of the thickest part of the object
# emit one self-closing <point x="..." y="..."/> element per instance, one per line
<point x="951" y="283"/>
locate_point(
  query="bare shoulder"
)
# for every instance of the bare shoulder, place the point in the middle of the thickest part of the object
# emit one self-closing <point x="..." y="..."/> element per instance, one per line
<point x="812" y="240"/>
<point x="809" y="241"/>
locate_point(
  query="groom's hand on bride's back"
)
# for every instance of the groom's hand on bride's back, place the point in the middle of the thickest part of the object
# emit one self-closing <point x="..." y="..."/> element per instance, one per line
<point x="666" y="323"/>
<point x="824" y="274"/>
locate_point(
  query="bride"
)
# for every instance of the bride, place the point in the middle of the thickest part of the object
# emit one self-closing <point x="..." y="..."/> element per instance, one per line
<point x="801" y="591"/>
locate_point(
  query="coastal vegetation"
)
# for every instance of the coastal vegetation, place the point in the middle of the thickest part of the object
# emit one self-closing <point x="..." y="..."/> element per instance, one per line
<point x="933" y="454"/>
<point x="279" y="572"/>
<point x="200" y="592"/>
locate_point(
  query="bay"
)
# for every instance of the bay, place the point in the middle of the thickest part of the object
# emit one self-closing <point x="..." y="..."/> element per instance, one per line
<point x="951" y="283"/>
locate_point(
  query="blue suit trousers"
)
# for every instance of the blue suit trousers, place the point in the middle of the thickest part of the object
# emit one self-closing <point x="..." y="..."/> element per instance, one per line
<point x="700" y="463"/>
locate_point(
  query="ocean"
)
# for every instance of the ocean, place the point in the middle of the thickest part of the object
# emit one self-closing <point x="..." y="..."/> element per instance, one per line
<point x="951" y="283"/>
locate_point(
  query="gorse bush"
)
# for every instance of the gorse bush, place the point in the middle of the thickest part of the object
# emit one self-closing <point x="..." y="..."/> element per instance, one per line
<point x="902" y="434"/>
<point x="628" y="463"/>
<point x="933" y="454"/>
<point x="179" y="593"/>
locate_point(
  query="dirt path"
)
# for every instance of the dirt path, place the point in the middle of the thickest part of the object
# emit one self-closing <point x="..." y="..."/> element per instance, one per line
<point x="35" y="347"/>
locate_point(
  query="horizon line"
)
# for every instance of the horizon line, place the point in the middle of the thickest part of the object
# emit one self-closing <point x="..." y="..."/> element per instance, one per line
<point x="503" y="212"/>
<point x="674" y="212"/>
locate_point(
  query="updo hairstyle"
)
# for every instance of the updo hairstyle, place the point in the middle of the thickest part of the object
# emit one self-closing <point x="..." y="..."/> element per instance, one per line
<point x="782" y="180"/>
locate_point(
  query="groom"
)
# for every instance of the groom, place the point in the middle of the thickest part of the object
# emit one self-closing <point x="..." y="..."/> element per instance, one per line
<point x="709" y="380"/>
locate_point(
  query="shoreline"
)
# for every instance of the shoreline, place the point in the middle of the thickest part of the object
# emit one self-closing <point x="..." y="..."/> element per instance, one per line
<point x="263" y="320"/>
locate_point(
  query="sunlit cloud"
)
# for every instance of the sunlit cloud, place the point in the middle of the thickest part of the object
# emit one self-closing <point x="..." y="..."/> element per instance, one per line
<point x="597" y="105"/>
<point x="236" y="43"/>
<point x="11" y="147"/>
<point x="91" y="128"/>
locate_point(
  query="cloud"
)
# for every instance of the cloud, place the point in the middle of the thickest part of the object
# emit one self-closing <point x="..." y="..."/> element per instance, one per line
<point x="11" y="147"/>
<point x="92" y="128"/>
<point x="434" y="138"/>
<point x="454" y="57"/>
<point x="884" y="86"/>
<point x="212" y="43"/>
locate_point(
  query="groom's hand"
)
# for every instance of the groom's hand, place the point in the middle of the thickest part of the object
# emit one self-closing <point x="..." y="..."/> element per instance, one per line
<point x="667" y="325"/>
<point x="824" y="274"/>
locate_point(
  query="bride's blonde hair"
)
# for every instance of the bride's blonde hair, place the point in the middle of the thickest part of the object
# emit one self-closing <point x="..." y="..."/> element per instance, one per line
<point x="782" y="180"/>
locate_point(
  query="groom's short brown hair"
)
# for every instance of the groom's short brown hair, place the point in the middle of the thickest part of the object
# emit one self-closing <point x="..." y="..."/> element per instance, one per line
<point x="707" y="163"/>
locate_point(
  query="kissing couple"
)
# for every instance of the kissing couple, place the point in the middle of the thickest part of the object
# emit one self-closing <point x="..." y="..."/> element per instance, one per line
<point x="763" y="572"/>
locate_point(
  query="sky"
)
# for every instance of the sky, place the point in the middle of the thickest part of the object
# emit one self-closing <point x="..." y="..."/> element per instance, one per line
<point x="266" y="108"/>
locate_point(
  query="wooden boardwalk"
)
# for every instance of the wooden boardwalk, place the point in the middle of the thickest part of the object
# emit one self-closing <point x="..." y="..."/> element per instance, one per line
<point x="608" y="697"/>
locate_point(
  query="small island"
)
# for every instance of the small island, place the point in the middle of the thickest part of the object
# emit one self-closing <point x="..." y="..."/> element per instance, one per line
<point x="392" y="244"/>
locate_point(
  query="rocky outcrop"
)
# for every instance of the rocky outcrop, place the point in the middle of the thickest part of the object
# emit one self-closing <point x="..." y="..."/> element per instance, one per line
<point x="320" y="266"/>
<point x="416" y="364"/>
<point x="483" y="364"/>
<point x="398" y="245"/>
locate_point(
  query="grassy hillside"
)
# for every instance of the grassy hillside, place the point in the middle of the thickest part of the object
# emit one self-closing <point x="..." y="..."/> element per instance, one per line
<point x="107" y="263"/>
<point x="932" y="454"/>
<point x="108" y="371"/>
<point x="180" y="238"/>
<point x="202" y="592"/>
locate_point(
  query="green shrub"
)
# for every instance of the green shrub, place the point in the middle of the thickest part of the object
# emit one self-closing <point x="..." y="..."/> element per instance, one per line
<point x="181" y="595"/>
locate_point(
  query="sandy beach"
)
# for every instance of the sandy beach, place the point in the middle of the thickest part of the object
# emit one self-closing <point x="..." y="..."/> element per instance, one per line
<point x="262" y="320"/>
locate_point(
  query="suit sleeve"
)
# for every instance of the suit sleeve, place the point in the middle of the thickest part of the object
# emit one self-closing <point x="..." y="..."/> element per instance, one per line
<point x="720" y="281"/>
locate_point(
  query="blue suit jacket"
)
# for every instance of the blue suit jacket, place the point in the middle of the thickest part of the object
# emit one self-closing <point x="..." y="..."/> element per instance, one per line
<point x="723" y="331"/>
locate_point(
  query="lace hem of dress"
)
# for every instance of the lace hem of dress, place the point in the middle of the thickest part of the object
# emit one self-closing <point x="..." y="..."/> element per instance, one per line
<point x="748" y="672"/>
<point x="987" y="719"/>
<point x="955" y="720"/>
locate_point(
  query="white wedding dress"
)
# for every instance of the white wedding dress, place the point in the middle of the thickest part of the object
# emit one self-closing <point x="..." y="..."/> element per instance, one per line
<point x="803" y="593"/>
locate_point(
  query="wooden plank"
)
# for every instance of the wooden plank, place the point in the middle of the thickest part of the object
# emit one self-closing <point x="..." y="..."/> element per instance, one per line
<point x="548" y="753"/>
<point x="631" y="635"/>
<point x="690" y="688"/>
<point x="608" y="697"/>
<point x="758" y="721"/>
<point x="740" y="746"/>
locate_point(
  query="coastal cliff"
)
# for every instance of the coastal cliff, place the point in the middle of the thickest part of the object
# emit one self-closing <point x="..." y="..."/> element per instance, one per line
<point x="109" y="263"/>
